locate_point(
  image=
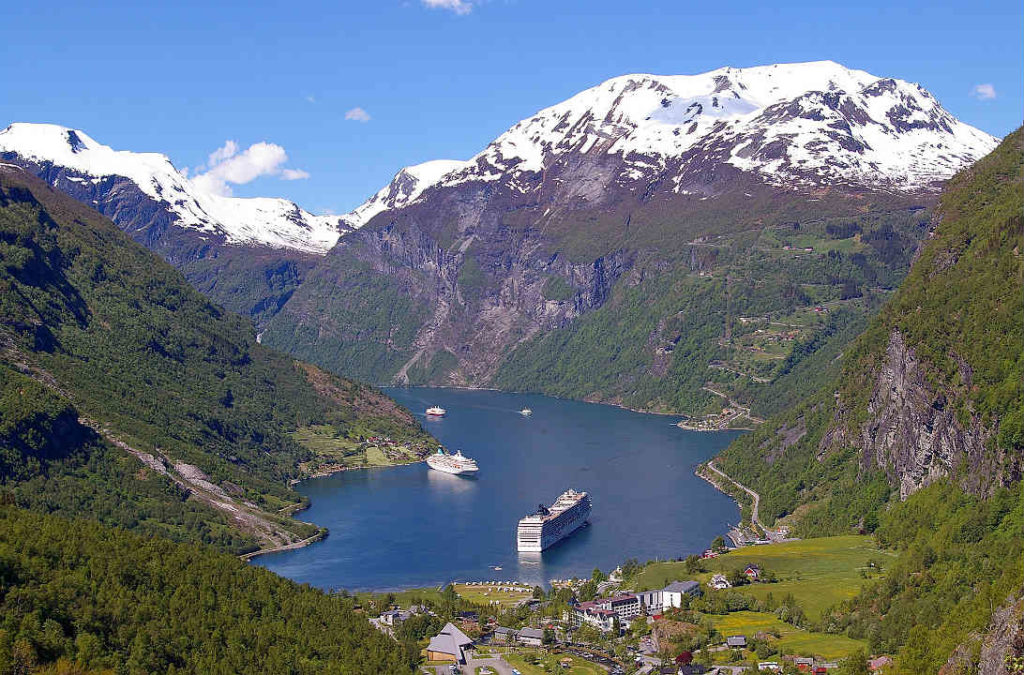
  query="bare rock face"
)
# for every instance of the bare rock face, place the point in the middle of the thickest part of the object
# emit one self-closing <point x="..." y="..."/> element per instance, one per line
<point x="913" y="431"/>
<point x="999" y="651"/>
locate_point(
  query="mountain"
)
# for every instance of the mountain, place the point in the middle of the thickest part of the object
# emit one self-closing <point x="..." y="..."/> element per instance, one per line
<point x="623" y="245"/>
<point x="920" y="438"/>
<point x="247" y="253"/>
<point x="127" y="395"/>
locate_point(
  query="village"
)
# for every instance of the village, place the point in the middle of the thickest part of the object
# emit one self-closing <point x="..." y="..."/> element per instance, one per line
<point x="613" y="624"/>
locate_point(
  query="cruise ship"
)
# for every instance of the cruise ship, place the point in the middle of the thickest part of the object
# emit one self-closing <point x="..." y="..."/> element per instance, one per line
<point x="436" y="411"/>
<point x="549" y="525"/>
<point x="457" y="464"/>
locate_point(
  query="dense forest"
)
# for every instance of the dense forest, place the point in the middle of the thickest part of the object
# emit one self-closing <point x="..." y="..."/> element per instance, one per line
<point x="80" y="597"/>
<point x="828" y="466"/>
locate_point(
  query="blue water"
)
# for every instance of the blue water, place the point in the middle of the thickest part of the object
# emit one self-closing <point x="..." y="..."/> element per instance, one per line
<point x="409" y="526"/>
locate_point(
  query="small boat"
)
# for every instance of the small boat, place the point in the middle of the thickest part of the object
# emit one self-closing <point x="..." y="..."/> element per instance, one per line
<point x="496" y="568"/>
<point x="436" y="411"/>
<point x="525" y="412"/>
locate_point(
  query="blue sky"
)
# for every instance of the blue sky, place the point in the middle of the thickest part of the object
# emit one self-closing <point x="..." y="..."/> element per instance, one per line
<point x="442" y="81"/>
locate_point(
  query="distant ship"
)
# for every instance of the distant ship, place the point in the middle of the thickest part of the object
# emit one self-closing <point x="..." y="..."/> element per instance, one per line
<point x="436" y="411"/>
<point x="525" y="412"/>
<point x="549" y="525"/>
<point x="457" y="464"/>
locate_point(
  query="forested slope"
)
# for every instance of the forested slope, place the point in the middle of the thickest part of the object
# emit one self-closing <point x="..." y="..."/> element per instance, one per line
<point x="80" y="597"/>
<point x="921" y="437"/>
<point x="109" y="357"/>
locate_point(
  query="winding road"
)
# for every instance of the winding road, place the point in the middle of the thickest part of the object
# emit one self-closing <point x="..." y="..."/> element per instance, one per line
<point x="756" y="497"/>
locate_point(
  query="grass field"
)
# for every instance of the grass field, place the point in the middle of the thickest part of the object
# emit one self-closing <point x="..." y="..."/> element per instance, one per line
<point x="334" y="450"/>
<point x="491" y="594"/>
<point x="793" y="640"/>
<point x="550" y="664"/>
<point x="818" y="572"/>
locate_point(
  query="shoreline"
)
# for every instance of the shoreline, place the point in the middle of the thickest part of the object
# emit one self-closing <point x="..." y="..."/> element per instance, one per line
<point x="341" y="469"/>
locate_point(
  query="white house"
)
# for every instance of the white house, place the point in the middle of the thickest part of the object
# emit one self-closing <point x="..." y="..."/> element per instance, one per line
<point x="668" y="597"/>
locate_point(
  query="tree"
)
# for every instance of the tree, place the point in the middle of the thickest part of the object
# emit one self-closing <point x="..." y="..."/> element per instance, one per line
<point x="549" y="636"/>
<point x="855" y="664"/>
<point x="695" y="564"/>
<point x="718" y="544"/>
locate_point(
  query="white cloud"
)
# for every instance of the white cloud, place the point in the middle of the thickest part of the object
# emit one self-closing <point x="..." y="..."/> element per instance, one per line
<point x="226" y="151"/>
<point x="983" y="92"/>
<point x="311" y="99"/>
<point x="228" y="166"/>
<point x="294" y="174"/>
<point x="358" y="114"/>
<point x="457" y="6"/>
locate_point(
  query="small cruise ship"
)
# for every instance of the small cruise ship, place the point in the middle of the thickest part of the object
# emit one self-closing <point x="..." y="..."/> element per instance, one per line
<point x="436" y="411"/>
<point x="550" y="525"/>
<point x="457" y="464"/>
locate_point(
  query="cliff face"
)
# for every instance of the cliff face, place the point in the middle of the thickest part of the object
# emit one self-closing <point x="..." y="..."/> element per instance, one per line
<point x="913" y="432"/>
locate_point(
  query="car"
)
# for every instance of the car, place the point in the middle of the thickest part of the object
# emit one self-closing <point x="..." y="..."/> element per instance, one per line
<point x="516" y="672"/>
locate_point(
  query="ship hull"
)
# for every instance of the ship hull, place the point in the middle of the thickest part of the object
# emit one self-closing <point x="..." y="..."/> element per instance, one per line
<point x="447" y="468"/>
<point x="534" y="537"/>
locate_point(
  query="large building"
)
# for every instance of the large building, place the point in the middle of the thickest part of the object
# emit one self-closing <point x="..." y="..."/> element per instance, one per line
<point x="602" y="612"/>
<point x="449" y="645"/>
<point x="668" y="597"/>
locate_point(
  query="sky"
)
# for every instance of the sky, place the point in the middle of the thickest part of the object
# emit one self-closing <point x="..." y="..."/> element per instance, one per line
<point x="322" y="102"/>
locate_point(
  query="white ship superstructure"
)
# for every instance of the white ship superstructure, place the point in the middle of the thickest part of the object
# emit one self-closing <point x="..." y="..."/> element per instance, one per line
<point x="457" y="464"/>
<point x="549" y="525"/>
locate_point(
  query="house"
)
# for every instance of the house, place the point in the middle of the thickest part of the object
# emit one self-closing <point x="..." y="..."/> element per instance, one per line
<point x="736" y="641"/>
<point x="533" y="637"/>
<point x="668" y="597"/>
<point x="804" y="664"/>
<point x="691" y="669"/>
<point x="709" y="554"/>
<point x="769" y="666"/>
<point x="880" y="664"/>
<point x="449" y="645"/>
<point x="504" y="635"/>
<point x="719" y="582"/>
<point x="469" y="620"/>
<point x="753" y="572"/>
<point x="394" y="617"/>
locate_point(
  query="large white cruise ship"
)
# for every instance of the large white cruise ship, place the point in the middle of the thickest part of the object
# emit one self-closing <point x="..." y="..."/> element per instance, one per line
<point x="457" y="464"/>
<point x="549" y="525"/>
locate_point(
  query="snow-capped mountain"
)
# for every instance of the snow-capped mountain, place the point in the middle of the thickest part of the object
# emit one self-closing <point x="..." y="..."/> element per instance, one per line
<point x="807" y="124"/>
<point x="71" y="156"/>
<point x="407" y="185"/>
<point x="643" y="192"/>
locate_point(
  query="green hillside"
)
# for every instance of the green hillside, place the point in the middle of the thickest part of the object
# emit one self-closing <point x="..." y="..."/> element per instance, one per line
<point x="80" y="597"/>
<point x="106" y="352"/>
<point x="942" y="360"/>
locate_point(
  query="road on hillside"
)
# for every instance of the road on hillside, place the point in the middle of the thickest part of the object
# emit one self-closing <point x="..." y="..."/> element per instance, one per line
<point x="756" y="497"/>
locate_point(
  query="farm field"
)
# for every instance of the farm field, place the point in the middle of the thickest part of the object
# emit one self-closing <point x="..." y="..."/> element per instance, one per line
<point x="818" y="572"/>
<point x="792" y="641"/>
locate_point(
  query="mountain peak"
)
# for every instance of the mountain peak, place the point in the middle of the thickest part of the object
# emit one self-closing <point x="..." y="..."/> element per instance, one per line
<point x="80" y="160"/>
